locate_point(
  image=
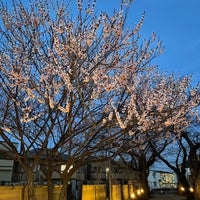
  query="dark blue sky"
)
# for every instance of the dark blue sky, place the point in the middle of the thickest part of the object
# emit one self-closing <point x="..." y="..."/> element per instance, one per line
<point x="177" y="23"/>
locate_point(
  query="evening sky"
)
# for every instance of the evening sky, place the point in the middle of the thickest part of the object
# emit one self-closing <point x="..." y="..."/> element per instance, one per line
<point x="177" y="23"/>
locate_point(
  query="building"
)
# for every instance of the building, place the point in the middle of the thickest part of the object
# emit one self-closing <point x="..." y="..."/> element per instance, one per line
<point x="162" y="180"/>
<point x="6" y="164"/>
<point x="100" y="173"/>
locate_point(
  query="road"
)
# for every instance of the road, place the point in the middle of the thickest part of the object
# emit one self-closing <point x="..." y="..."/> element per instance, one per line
<point x="167" y="197"/>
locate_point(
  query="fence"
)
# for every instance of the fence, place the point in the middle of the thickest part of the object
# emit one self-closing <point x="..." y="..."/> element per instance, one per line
<point x="198" y="192"/>
<point x="20" y="192"/>
<point x="89" y="192"/>
<point x="98" y="192"/>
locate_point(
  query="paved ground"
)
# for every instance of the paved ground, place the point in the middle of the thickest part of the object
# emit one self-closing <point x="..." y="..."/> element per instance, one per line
<point x="167" y="197"/>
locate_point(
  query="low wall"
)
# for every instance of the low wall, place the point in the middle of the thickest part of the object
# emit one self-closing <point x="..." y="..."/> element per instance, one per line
<point x="198" y="192"/>
<point x="98" y="192"/>
<point x="89" y="192"/>
<point x="20" y="192"/>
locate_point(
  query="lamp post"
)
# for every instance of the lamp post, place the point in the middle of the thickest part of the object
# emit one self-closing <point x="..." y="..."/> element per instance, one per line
<point x="109" y="181"/>
<point x="107" y="170"/>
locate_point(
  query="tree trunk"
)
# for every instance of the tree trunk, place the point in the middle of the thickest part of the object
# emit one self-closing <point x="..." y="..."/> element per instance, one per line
<point x="189" y="195"/>
<point x="30" y="185"/>
<point x="145" y="187"/>
<point x="50" y="188"/>
<point x="144" y="177"/>
<point x="197" y="188"/>
<point x="63" y="192"/>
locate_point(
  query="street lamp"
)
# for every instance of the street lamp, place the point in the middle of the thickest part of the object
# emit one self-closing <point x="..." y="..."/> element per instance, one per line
<point x="109" y="182"/>
<point x="107" y="170"/>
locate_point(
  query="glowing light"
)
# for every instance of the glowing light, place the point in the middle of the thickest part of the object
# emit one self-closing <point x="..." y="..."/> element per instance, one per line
<point x="182" y="189"/>
<point x="133" y="196"/>
<point x="191" y="189"/>
<point x="138" y="192"/>
<point x="142" y="191"/>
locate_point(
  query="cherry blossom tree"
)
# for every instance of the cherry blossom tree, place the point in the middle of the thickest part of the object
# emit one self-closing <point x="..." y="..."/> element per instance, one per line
<point x="140" y="157"/>
<point x="61" y="78"/>
<point x="175" y="157"/>
<point x="70" y="81"/>
<point x="158" y="102"/>
<point x="163" y="104"/>
<point x="184" y="156"/>
<point x="193" y="141"/>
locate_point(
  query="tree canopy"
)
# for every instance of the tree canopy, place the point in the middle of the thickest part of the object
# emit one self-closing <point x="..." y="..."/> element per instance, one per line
<point x="75" y="83"/>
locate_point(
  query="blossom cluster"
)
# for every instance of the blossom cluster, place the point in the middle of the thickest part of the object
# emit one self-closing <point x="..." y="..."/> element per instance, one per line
<point x="86" y="65"/>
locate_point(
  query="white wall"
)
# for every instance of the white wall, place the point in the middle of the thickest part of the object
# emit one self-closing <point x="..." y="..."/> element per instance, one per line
<point x="161" y="179"/>
<point x="6" y="169"/>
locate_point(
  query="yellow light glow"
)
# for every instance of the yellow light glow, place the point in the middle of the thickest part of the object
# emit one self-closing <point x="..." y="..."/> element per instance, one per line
<point x="182" y="189"/>
<point x="191" y="189"/>
<point x="138" y="192"/>
<point x="142" y="191"/>
<point x="133" y="196"/>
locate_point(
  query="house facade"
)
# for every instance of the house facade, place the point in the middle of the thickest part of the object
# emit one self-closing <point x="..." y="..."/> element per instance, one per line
<point x="162" y="180"/>
<point x="90" y="174"/>
<point x="6" y="164"/>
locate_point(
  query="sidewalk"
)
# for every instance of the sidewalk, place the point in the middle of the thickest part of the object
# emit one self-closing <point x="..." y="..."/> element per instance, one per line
<point x="167" y="197"/>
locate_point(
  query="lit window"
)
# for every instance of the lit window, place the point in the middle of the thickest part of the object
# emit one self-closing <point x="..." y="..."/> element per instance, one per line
<point x="63" y="167"/>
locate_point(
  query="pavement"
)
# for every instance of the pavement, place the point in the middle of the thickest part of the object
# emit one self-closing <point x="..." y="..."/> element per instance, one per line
<point x="166" y="196"/>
